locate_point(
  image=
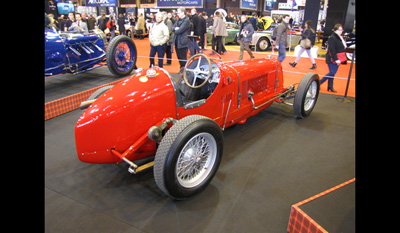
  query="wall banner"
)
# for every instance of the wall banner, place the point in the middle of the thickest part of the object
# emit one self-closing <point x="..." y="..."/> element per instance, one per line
<point x="180" y="3"/>
<point x="98" y="3"/>
<point x="248" y="4"/>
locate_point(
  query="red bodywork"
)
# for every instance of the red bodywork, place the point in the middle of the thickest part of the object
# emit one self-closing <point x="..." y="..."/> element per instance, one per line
<point x="116" y="125"/>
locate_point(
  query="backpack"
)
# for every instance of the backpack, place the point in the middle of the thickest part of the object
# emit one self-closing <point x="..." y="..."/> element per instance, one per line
<point x="108" y="24"/>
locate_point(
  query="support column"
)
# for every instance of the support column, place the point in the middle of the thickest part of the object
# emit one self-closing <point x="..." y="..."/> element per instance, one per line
<point x="311" y="12"/>
<point x="220" y="4"/>
<point x="340" y="11"/>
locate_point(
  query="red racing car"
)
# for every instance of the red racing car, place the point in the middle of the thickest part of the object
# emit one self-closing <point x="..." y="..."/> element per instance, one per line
<point x="178" y="126"/>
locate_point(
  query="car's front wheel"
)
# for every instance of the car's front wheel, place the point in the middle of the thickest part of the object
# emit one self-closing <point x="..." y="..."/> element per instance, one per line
<point x="307" y="95"/>
<point x="188" y="156"/>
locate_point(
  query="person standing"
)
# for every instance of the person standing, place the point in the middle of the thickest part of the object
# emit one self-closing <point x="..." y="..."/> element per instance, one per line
<point x="121" y="24"/>
<point x="336" y="44"/>
<point x="245" y="36"/>
<point x="132" y="22"/>
<point x="181" y="29"/>
<point x="84" y="18"/>
<point x="158" y="36"/>
<point x="210" y="21"/>
<point x="61" y="22"/>
<point x="203" y="30"/>
<point x="111" y="26"/>
<point x="196" y="28"/>
<point x="308" y="33"/>
<point x="91" y="22"/>
<point x="78" y="25"/>
<point x="281" y="38"/>
<point x="219" y="30"/>
<point x="69" y="21"/>
<point x="140" y="26"/>
<point x="253" y="20"/>
<point x="168" y="45"/>
<point x="102" y="22"/>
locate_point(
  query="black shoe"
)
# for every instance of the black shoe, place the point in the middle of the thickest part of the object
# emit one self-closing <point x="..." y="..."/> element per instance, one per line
<point x="314" y="66"/>
<point x="332" y="90"/>
<point x="293" y="64"/>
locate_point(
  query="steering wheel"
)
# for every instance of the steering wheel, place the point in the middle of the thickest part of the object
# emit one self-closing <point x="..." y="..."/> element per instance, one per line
<point x="197" y="71"/>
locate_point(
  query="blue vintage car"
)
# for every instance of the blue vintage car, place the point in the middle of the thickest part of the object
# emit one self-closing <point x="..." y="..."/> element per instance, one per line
<point x="76" y="52"/>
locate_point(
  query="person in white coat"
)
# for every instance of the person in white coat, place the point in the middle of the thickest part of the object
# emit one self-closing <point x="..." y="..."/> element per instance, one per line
<point x="158" y="36"/>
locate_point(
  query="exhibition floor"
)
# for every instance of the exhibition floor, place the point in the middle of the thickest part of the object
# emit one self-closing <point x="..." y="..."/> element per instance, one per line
<point x="269" y="163"/>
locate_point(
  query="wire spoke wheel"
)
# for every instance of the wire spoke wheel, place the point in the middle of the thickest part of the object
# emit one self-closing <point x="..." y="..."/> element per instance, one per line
<point x="196" y="157"/>
<point x="121" y="55"/>
<point x="310" y="97"/>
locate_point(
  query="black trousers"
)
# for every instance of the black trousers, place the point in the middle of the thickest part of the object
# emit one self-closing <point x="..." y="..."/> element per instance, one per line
<point x="220" y="47"/>
<point x="168" y="53"/>
<point x="181" y="53"/>
<point x="201" y="42"/>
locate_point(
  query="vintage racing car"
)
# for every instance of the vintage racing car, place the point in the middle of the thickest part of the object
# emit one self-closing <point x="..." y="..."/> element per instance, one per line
<point x="178" y="125"/>
<point x="77" y="52"/>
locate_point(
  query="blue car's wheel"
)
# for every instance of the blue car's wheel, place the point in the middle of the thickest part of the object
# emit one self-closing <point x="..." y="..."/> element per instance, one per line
<point x="121" y="56"/>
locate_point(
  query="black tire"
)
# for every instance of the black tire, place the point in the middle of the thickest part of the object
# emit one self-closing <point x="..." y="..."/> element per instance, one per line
<point x="126" y="66"/>
<point x="307" y="95"/>
<point x="176" y="158"/>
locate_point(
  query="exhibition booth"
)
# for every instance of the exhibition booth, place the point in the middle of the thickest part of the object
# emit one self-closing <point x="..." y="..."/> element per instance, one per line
<point x="282" y="168"/>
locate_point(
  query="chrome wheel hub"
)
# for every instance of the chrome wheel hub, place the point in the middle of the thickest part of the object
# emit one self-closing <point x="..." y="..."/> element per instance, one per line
<point x="196" y="160"/>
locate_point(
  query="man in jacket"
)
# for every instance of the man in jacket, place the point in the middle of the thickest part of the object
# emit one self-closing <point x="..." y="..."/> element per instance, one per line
<point x="79" y="25"/>
<point x="203" y="30"/>
<point x="281" y="38"/>
<point x="121" y="24"/>
<point x="245" y="36"/>
<point x="158" y="36"/>
<point x="168" y="46"/>
<point x="181" y="29"/>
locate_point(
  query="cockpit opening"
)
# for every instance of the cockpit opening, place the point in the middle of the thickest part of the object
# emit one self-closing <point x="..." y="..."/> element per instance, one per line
<point x="201" y="83"/>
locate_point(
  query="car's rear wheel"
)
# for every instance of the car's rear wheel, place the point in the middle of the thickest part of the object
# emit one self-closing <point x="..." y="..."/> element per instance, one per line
<point x="188" y="156"/>
<point x="121" y="55"/>
<point x="307" y="95"/>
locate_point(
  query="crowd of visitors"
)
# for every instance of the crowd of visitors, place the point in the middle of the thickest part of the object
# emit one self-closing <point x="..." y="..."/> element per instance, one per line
<point x="180" y="30"/>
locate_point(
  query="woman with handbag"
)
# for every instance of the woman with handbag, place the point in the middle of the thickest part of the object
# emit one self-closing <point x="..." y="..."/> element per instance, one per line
<point x="335" y="55"/>
<point x="306" y="43"/>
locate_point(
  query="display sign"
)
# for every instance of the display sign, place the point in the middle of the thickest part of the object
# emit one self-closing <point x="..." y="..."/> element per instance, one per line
<point x="65" y="8"/>
<point x="269" y="5"/>
<point x="98" y="3"/>
<point x="248" y="4"/>
<point x="180" y="3"/>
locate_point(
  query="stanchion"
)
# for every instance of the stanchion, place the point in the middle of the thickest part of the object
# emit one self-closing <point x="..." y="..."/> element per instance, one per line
<point x="344" y="98"/>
